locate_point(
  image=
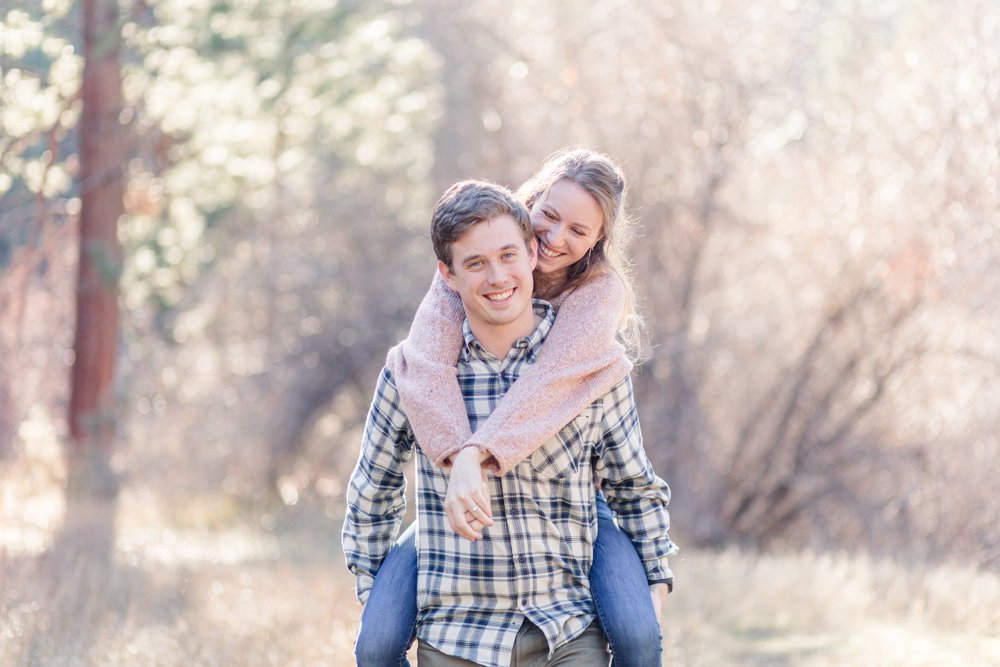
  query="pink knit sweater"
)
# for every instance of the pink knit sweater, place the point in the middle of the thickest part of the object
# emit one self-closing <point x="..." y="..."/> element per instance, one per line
<point x="580" y="361"/>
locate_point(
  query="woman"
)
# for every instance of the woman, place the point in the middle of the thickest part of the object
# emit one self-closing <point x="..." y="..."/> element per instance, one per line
<point x="576" y="202"/>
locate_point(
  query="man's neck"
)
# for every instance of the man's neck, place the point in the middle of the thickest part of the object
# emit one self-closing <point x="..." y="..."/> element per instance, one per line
<point x="498" y="339"/>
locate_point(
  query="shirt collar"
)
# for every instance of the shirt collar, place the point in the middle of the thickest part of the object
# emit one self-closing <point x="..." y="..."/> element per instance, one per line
<point x="524" y="345"/>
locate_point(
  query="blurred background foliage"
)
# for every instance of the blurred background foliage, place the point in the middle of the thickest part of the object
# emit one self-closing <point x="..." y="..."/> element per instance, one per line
<point x="815" y="185"/>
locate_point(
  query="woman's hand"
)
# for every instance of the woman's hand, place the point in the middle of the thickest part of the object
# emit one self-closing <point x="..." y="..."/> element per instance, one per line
<point x="467" y="503"/>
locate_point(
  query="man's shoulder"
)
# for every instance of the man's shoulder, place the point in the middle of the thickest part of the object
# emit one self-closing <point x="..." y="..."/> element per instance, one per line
<point x="621" y="390"/>
<point x="619" y="399"/>
<point x="386" y="382"/>
<point x="387" y="402"/>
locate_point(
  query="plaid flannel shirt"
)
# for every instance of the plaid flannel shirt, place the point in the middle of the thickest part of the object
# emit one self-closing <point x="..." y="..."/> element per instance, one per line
<point x="535" y="560"/>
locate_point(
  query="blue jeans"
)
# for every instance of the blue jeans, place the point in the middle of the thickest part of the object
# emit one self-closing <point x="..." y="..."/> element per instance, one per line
<point x="389" y="619"/>
<point x="621" y="595"/>
<point x="617" y="582"/>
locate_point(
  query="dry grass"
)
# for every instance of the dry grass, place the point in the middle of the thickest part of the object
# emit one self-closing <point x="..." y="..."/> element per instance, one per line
<point x="738" y="608"/>
<point x="181" y="599"/>
<point x="226" y="592"/>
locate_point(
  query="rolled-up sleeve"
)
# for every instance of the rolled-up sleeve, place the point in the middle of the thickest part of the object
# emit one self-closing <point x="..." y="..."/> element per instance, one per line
<point x="376" y="499"/>
<point x="634" y="491"/>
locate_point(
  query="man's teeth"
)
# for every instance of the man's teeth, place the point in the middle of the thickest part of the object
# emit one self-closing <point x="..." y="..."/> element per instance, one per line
<point x="500" y="296"/>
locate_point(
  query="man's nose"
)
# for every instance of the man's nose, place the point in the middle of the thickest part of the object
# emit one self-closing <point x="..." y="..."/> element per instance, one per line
<point x="498" y="272"/>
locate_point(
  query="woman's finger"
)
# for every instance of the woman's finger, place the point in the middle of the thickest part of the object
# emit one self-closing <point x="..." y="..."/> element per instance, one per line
<point x="458" y="522"/>
<point x="473" y="520"/>
<point x="484" y="515"/>
<point x="482" y="499"/>
<point x="462" y="527"/>
<point x="465" y="491"/>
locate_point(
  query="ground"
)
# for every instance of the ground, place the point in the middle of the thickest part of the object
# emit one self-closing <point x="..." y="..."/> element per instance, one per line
<point x="208" y="586"/>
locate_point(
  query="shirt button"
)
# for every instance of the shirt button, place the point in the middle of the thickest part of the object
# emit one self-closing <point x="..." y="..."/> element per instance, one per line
<point x="523" y="559"/>
<point x="524" y="602"/>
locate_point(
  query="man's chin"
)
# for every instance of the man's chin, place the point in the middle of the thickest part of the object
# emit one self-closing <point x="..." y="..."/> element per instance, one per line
<point x="502" y="316"/>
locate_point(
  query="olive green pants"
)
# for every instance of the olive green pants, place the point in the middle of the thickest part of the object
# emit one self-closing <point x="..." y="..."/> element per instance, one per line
<point x="532" y="650"/>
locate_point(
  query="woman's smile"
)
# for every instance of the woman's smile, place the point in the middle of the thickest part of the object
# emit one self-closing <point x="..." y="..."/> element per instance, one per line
<point x="548" y="252"/>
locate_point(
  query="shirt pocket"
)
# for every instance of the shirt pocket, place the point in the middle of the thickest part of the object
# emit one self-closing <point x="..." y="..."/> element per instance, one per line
<point x="562" y="454"/>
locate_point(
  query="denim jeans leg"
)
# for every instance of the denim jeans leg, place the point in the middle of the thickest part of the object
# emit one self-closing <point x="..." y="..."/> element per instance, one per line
<point x="621" y="595"/>
<point x="389" y="619"/>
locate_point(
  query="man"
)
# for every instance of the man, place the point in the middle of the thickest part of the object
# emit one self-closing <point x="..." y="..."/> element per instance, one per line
<point x="520" y="592"/>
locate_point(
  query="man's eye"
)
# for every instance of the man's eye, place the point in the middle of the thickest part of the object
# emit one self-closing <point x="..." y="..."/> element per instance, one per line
<point x="474" y="265"/>
<point x="509" y="255"/>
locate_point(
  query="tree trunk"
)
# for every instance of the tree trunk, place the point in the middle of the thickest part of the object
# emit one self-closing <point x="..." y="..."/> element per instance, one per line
<point x="92" y="485"/>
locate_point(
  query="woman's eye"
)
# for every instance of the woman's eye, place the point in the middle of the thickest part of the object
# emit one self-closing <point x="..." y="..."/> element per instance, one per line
<point x="580" y="232"/>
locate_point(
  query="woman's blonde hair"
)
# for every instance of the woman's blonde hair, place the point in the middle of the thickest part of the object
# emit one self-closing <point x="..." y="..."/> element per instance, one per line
<point x="604" y="180"/>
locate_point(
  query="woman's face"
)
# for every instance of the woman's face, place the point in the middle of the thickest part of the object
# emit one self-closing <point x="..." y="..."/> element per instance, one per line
<point x="567" y="221"/>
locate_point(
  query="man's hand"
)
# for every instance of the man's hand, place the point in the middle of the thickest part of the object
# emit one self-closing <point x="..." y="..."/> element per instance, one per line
<point x="467" y="503"/>
<point x="659" y="594"/>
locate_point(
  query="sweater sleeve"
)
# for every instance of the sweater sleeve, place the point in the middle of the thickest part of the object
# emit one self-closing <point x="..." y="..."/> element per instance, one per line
<point x="423" y="367"/>
<point x="580" y="361"/>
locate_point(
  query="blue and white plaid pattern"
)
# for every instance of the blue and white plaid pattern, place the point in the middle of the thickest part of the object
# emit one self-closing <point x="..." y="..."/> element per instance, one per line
<point x="534" y="561"/>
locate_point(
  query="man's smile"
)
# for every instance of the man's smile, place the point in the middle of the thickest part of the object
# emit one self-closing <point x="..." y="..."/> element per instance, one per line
<point x="500" y="297"/>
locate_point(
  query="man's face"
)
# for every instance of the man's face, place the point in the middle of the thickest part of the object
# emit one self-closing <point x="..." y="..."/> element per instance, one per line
<point x="492" y="273"/>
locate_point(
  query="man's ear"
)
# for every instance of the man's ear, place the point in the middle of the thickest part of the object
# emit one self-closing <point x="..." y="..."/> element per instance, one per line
<point x="446" y="274"/>
<point x="533" y="252"/>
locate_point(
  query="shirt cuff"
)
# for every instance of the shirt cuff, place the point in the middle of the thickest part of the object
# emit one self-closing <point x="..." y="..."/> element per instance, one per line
<point x="669" y="582"/>
<point x="658" y="572"/>
<point x="363" y="587"/>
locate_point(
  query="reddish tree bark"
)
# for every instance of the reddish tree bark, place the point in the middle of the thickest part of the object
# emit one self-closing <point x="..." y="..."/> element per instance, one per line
<point x="102" y="157"/>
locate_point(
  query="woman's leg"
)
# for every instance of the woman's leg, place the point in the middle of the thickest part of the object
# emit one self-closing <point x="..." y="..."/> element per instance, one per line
<point x="389" y="619"/>
<point x="621" y="595"/>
